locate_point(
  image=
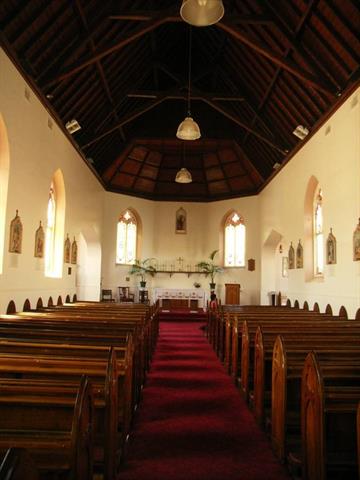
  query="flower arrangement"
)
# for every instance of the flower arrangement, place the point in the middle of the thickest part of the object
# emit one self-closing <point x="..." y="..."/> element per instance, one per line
<point x="197" y="284"/>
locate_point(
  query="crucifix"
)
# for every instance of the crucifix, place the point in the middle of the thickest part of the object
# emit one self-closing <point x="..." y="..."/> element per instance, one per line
<point x="180" y="261"/>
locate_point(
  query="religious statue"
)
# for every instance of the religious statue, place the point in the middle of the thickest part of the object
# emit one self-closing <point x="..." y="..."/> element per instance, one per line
<point x="67" y="247"/>
<point x="39" y="242"/>
<point x="180" y="221"/>
<point x="16" y="230"/>
<point x="74" y="252"/>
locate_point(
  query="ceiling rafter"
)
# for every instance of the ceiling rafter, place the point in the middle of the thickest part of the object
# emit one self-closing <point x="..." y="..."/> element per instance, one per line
<point x="155" y="21"/>
<point x="277" y="59"/>
<point x="99" y="67"/>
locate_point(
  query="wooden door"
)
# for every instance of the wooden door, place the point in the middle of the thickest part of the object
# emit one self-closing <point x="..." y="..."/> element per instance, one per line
<point x="232" y="293"/>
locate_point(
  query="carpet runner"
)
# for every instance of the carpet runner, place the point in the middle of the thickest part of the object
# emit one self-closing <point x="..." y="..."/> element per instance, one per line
<point x="192" y="423"/>
<point x="182" y="314"/>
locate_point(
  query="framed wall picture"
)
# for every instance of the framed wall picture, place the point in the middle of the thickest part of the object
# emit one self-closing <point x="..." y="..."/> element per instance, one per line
<point x="285" y="266"/>
<point x="74" y="252"/>
<point x="180" y="221"/>
<point x="356" y="241"/>
<point x="39" y="242"/>
<point x="299" y="255"/>
<point x="291" y="257"/>
<point x="331" y="249"/>
<point x="67" y="249"/>
<point x="16" y="233"/>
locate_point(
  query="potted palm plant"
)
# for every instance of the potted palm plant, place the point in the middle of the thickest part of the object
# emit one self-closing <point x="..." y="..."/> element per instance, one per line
<point x="210" y="268"/>
<point x="143" y="268"/>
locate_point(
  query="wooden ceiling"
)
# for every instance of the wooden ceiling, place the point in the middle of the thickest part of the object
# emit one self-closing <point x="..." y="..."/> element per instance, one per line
<point x="120" y="68"/>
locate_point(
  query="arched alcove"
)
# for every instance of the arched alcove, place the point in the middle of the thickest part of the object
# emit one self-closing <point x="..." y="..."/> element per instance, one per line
<point x="271" y="268"/>
<point x="4" y="181"/>
<point x="88" y="270"/>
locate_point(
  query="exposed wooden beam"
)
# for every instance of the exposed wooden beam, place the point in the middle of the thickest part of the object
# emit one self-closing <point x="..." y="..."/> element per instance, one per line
<point x="127" y="119"/>
<point x="276" y="58"/>
<point x="155" y="22"/>
<point x="212" y="96"/>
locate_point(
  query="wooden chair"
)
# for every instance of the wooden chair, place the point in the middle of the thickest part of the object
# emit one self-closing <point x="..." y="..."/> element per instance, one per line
<point x="106" y="295"/>
<point x="143" y="296"/>
<point x="125" y="295"/>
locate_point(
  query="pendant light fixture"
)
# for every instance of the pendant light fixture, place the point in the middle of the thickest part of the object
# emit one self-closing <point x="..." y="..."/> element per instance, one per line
<point x="188" y="129"/>
<point x="202" y="13"/>
<point x="183" y="175"/>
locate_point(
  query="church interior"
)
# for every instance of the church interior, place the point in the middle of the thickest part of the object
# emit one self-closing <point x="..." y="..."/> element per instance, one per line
<point x="179" y="185"/>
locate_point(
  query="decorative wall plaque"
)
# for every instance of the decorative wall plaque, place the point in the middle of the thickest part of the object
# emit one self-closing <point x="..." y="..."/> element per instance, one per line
<point x="356" y="242"/>
<point x="74" y="252"/>
<point x="331" y="249"/>
<point x="251" y="264"/>
<point x="67" y="248"/>
<point x="39" y="242"/>
<point x="180" y="222"/>
<point x="299" y="255"/>
<point x="291" y="257"/>
<point x="16" y="231"/>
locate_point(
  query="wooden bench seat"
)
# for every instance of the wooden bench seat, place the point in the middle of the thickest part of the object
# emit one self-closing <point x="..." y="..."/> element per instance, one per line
<point x="59" y="375"/>
<point x="329" y="422"/>
<point x="263" y="358"/>
<point x="287" y="367"/>
<point x="57" y="431"/>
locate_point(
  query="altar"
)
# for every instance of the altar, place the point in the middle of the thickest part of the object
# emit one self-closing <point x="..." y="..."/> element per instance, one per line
<point x="180" y="297"/>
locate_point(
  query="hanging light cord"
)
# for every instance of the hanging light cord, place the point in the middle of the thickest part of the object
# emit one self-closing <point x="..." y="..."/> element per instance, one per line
<point x="189" y="85"/>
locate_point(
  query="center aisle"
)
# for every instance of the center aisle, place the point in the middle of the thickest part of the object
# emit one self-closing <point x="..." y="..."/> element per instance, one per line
<point x="192" y="423"/>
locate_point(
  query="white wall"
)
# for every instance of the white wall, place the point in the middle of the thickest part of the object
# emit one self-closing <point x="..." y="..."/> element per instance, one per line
<point x="35" y="153"/>
<point x="161" y="241"/>
<point x="332" y="155"/>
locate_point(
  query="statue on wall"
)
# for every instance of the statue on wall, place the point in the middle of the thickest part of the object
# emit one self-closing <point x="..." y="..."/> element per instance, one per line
<point x="291" y="257"/>
<point x="356" y="241"/>
<point x="180" y="225"/>
<point x="74" y="252"/>
<point x="331" y="249"/>
<point x="299" y="255"/>
<point x="67" y="247"/>
<point x="39" y="242"/>
<point x="16" y="231"/>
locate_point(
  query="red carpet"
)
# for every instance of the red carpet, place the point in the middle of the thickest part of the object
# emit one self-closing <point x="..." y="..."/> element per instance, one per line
<point x="192" y="423"/>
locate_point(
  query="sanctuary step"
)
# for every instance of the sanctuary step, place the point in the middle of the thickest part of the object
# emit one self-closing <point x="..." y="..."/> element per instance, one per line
<point x="182" y="315"/>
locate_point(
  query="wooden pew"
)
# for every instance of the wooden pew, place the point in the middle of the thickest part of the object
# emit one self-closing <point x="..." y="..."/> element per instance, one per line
<point x="286" y="388"/>
<point x="112" y="405"/>
<point x="17" y="464"/>
<point x="329" y="427"/>
<point x="283" y="324"/>
<point x="263" y="359"/>
<point x="56" y="431"/>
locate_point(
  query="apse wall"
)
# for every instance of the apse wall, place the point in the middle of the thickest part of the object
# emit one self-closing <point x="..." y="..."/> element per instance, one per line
<point x="159" y="240"/>
<point x="37" y="148"/>
<point x="331" y="158"/>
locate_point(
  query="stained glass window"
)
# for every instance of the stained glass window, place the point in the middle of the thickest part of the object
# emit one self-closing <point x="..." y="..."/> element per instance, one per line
<point x="126" y="238"/>
<point x="318" y="235"/>
<point x="234" y="241"/>
<point x="50" y="234"/>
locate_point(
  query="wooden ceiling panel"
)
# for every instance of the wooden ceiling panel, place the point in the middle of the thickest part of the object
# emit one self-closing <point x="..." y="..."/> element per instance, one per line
<point x="144" y="185"/>
<point x="149" y="171"/>
<point x="130" y="166"/>
<point x="123" y="181"/>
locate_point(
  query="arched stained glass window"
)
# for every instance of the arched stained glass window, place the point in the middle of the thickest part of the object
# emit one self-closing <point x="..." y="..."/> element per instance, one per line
<point x="318" y="234"/>
<point x="126" y="238"/>
<point x="234" y="241"/>
<point x="50" y="233"/>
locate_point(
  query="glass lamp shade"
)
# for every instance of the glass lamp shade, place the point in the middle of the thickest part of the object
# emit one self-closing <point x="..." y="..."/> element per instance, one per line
<point x="183" y="176"/>
<point x="188" y="130"/>
<point x="202" y="13"/>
